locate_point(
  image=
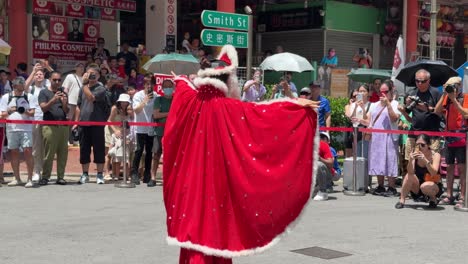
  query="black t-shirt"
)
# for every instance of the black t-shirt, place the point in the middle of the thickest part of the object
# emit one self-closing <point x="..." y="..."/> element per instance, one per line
<point x="97" y="110"/>
<point x="424" y="120"/>
<point x="55" y="112"/>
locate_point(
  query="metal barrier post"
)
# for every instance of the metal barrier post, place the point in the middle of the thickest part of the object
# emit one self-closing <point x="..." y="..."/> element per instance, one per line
<point x="465" y="203"/>
<point x="124" y="183"/>
<point x="355" y="191"/>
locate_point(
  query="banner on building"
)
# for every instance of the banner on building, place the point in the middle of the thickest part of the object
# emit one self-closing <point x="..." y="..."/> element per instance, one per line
<point x="171" y="25"/>
<point x="122" y="5"/>
<point x="91" y="30"/>
<point x="75" y="10"/>
<point x="160" y="78"/>
<point x="61" y="50"/>
<point x="2" y="28"/>
<point x="108" y="14"/>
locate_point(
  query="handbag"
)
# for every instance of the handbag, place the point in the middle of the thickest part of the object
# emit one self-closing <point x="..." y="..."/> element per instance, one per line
<point x="368" y="135"/>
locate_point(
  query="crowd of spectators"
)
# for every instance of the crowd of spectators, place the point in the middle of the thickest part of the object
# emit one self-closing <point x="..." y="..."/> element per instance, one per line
<point x="111" y="88"/>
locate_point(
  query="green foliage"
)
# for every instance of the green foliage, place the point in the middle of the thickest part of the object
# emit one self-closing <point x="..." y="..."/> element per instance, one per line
<point x="338" y="119"/>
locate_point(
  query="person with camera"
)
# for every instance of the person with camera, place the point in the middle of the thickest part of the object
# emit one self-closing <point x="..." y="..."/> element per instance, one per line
<point x="357" y="113"/>
<point x="143" y="102"/>
<point x="454" y="105"/>
<point x="423" y="178"/>
<point x="421" y="102"/>
<point x="93" y="105"/>
<point x="19" y="105"/>
<point x="282" y="90"/>
<point x="363" y="58"/>
<point x="53" y="102"/>
<point x="254" y="90"/>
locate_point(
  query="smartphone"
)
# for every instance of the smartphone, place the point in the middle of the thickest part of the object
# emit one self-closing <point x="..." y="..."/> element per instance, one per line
<point x="416" y="148"/>
<point x="359" y="97"/>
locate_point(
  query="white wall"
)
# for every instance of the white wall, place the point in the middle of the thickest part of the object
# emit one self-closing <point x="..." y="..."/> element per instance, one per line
<point x="109" y="32"/>
<point x="155" y="30"/>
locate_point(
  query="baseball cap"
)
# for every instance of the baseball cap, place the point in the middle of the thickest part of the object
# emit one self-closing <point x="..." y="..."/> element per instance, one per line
<point x="18" y="81"/>
<point x="453" y="80"/>
<point x="323" y="133"/>
<point x="315" y="84"/>
<point x="305" y="90"/>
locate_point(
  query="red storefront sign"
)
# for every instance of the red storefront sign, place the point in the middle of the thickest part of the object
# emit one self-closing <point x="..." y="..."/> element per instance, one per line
<point x="75" y="10"/>
<point x="46" y="7"/>
<point x="123" y="5"/>
<point x="160" y="78"/>
<point x="58" y="28"/>
<point x="91" y="30"/>
<point x="61" y="50"/>
<point x="108" y="14"/>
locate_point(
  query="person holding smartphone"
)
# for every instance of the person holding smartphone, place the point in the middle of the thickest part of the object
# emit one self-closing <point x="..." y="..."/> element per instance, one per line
<point x="92" y="106"/>
<point x="254" y="90"/>
<point x="143" y="102"/>
<point x="358" y="112"/>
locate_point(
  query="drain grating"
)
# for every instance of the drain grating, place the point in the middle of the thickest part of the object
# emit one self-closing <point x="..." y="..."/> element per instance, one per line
<point x="322" y="253"/>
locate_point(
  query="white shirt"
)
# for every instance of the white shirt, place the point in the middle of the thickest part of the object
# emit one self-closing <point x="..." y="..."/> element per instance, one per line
<point x="4" y="105"/>
<point x="38" y="114"/>
<point x="72" y="86"/>
<point x="146" y="115"/>
<point x="359" y="113"/>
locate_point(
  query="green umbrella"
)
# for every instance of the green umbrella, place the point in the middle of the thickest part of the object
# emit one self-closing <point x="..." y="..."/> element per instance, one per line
<point x="365" y="75"/>
<point x="178" y="63"/>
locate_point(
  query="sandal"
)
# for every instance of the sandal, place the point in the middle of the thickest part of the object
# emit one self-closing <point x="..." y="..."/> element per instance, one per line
<point x="399" y="205"/>
<point x="432" y="204"/>
<point x="460" y="203"/>
<point x="447" y="201"/>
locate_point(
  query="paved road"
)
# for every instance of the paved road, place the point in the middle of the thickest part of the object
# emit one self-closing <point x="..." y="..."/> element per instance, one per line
<point x="103" y="225"/>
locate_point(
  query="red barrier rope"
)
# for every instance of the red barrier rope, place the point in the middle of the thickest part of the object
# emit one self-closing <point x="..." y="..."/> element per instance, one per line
<point x="147" y="124"/>
<point x="406" y="132"/>
<point x="80" y="123"/>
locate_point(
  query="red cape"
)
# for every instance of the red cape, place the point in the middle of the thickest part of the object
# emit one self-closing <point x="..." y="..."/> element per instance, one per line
<point x="236" y="174"/>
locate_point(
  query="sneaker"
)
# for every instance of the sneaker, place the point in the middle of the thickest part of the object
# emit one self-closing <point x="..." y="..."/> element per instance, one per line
<point x="391" y="192"/>
<point x="36" y="177"/>
<point x="108" y="177"/>
<point x="15" y="183"/>
<point x="29" y="184"/>
<point x="321" y="196"/>
<point x="43" y="181"/>
<point x="159" y="183"/>
<point x="380" y="190"/>
<point x="135" y="179"/>
<point x="399" y="205"/>
<point x="100" y="179"/>
<point x="61" y="182"/>
<point x="151" y="183"/>
<point x="84" y="179"/>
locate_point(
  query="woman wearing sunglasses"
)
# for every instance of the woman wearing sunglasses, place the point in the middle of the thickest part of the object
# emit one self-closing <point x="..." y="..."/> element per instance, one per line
<point x="383" y="147"/>
<point x="423" y="178"/>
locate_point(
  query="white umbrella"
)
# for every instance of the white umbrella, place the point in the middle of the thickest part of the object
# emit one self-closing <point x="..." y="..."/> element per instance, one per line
<point x="288" y="62"/>
<point x="4" y="47"/>
<point x="173" y="62"/>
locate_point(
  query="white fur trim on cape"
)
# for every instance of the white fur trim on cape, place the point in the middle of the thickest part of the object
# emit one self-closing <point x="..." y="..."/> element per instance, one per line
<point x="232" y="254"/>
<point x="186" y="80"/>
<point x="232" y="54"/>
<point x="218" y="84"/>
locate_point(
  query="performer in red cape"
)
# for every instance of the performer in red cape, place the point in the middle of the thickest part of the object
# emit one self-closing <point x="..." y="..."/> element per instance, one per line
<point x="236" y="174"/>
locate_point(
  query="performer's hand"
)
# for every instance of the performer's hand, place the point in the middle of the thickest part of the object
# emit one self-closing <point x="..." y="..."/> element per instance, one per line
<point x="308" y="103"/>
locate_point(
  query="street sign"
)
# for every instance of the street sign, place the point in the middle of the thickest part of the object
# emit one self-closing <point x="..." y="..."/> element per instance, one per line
<point x="211" y="37"/>
<point x="225" y="20"/>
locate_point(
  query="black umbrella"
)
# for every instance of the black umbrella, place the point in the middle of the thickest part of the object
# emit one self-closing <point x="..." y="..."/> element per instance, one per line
<point x="439" y="70"/>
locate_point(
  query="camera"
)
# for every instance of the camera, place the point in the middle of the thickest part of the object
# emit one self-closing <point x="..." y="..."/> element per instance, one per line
<point x="362" y="52"/>
<point x="60" y="90"/>
<point x="449" y="89"/>
<point x="21" y="110"/>
<point x="415" y="100"/>
<point x="92" y="76"/>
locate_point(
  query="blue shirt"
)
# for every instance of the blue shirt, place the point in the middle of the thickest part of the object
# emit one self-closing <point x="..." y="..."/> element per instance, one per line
<point x="293" y="86"/>
<point x="324" y="108"/>
<point x="336" y="165"/>
<point x="328" y="61"/>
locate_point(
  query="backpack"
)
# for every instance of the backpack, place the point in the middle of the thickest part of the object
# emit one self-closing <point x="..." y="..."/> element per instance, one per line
<point x="11" y="96"/>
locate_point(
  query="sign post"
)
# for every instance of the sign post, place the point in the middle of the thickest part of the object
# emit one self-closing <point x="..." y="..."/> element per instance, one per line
<point x="240" y="22"/>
